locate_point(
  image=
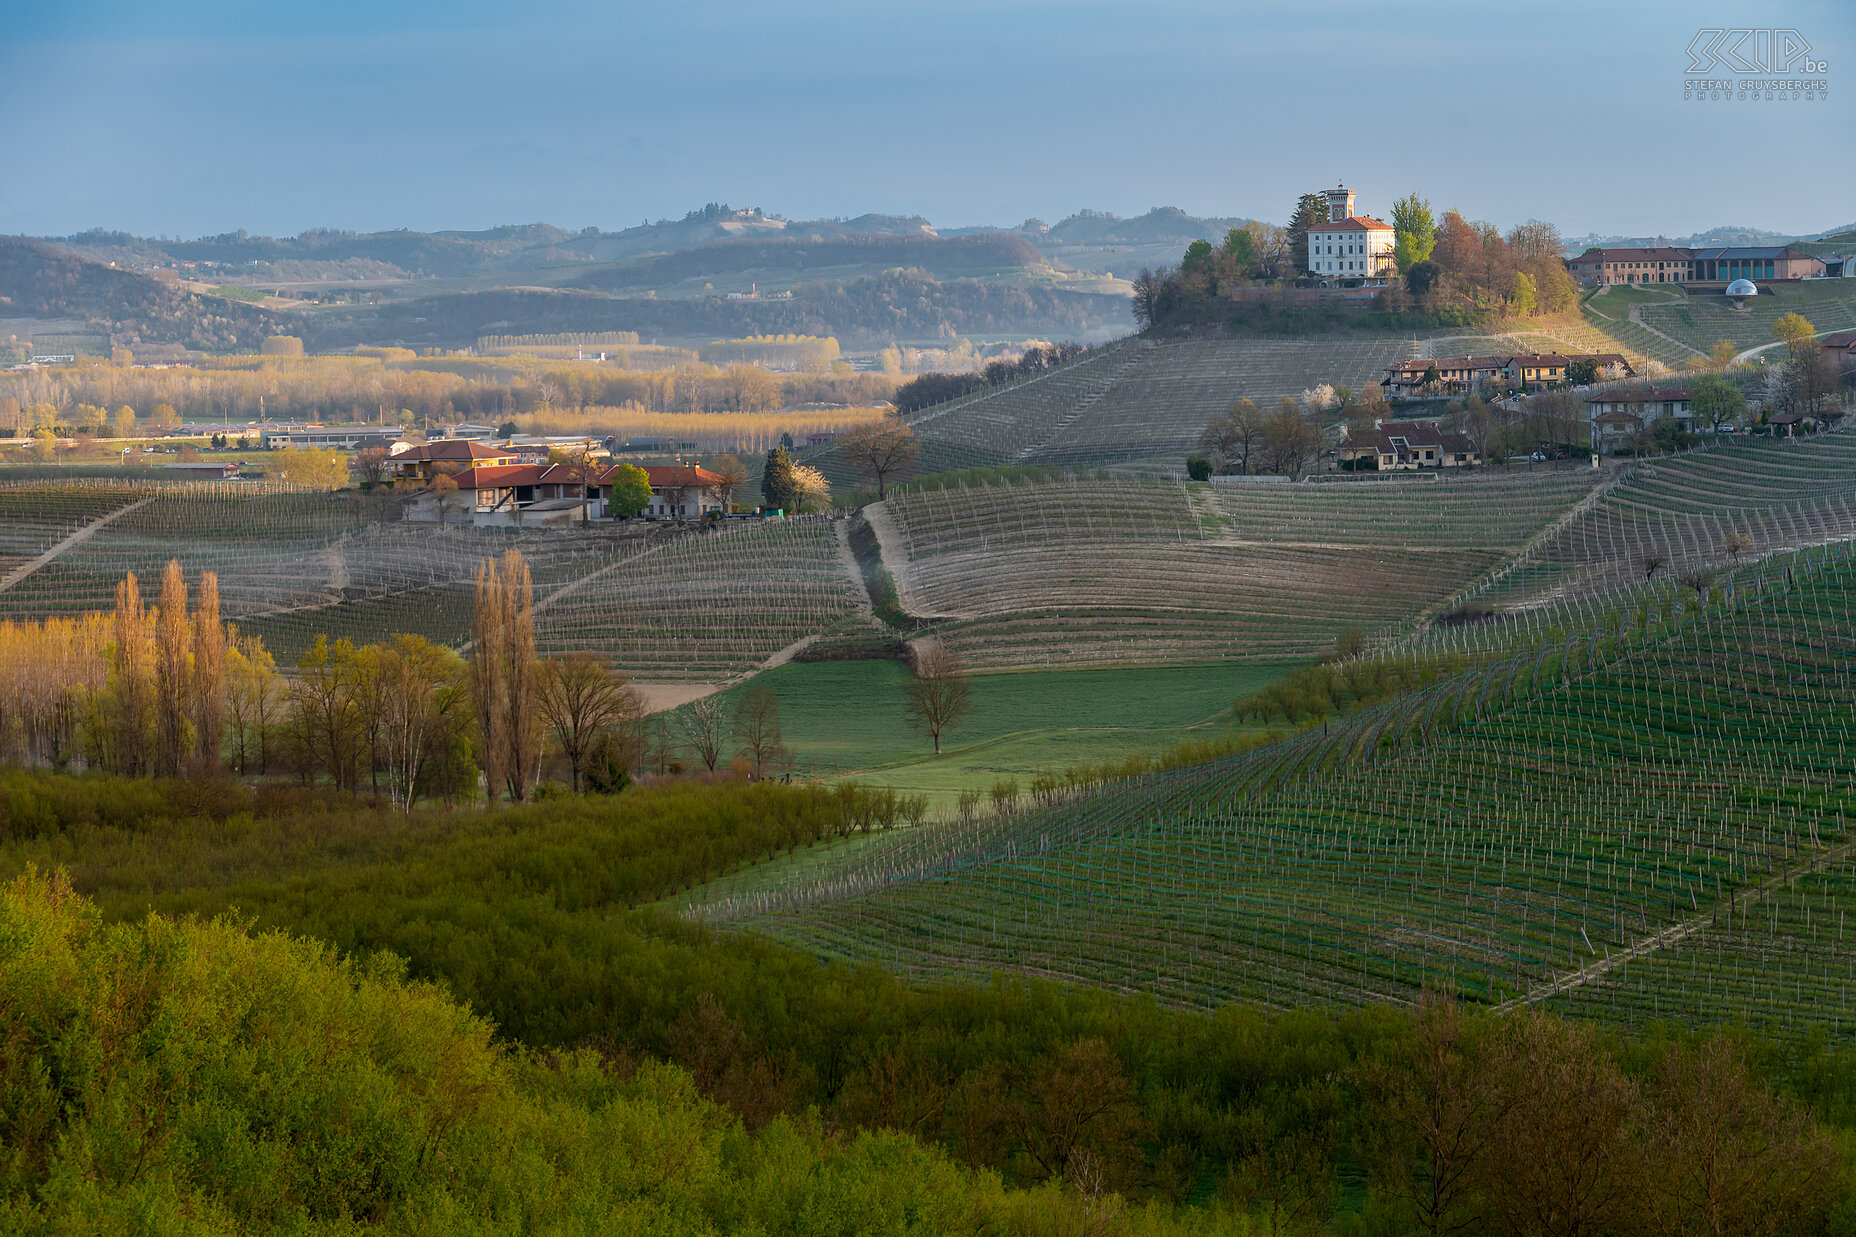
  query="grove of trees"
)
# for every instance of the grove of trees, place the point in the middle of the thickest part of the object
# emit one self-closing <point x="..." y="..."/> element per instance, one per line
<point x="1448" y="270"/>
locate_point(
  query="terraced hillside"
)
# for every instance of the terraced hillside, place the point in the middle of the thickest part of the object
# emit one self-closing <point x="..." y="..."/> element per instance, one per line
<point x="1153" y="572"/>
<point x="1142" y="398"/>
<point x="711" y="607"/>
<point x="1698" y="321"/>
<point x="1634" y="823"/>
<point x="1689" y="517"/>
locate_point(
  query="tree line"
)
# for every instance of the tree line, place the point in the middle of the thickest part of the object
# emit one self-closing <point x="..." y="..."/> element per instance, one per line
<point x="171" y="689"/>
<point x="393" y="388"/>
<point x="936" y="388"/>
<point x="1450" y="270"/>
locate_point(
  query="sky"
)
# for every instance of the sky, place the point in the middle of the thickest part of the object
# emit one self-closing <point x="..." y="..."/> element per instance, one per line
<point x="194" y="117"/>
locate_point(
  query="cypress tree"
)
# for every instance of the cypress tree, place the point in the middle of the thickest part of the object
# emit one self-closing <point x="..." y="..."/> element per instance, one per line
<point x="777" y="484"/>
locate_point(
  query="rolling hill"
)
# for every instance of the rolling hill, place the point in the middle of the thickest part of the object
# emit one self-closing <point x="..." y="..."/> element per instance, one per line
<point x="40" y="285"/>
<point x="1636" y="821"/>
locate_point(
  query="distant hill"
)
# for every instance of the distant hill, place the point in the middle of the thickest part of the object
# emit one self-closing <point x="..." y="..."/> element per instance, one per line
<point x="864" y="312"/>
<point x="40" y="282"/>
<point x="1163" y="225"/>
<point x="787" y="257"/>
<point x="1725" y="234"/>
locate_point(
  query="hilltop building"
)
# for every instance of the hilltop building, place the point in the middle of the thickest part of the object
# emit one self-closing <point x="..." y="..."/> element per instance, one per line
<point x="1350" y="246"/>
<point x="1720" y="265"/>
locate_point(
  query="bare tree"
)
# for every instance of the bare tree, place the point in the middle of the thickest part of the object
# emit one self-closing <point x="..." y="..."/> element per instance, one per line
<point x="881" y="449"/>
<point x="734" y="475"/>
<point x="704" y="725"/>
<point x="757" y="726"/>
<point x="1289" y="440"/>
<point x="939" y="694"/>
<point x="1232" y="436"/>
<point x="370" y="463"/>
<point x="582" y="698"/>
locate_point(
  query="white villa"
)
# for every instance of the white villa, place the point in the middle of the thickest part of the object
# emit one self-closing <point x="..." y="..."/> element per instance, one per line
<point x="1349" y="246"/>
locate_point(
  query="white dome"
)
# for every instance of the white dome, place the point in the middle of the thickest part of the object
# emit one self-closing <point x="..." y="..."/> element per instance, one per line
<point x="1742" y="287"/>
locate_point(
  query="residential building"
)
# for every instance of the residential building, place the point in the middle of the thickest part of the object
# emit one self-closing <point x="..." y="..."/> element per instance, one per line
<point x="1667" y="264"/>
<point x="1456" y="374"/>
<point x="1350" y="246"/>
<point x="1520" y="371"/>
<point x="416" y="461"/>
<point x="679" y="492"/>
<point x="1618" y="416"/>
<point x="1395" y="446"/>
<point x="503" y="495"/>
<point x="1840" y="348"/>
<point x="1651" y="403"/>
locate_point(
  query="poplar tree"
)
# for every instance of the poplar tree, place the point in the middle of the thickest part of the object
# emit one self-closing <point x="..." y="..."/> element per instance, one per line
<point x="506" y="677"/>
<point x="209" y="674"/>
<point x="171" y="641"/>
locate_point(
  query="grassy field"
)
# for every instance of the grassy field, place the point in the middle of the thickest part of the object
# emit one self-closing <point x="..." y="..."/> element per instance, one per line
<point x="846" y="718"/>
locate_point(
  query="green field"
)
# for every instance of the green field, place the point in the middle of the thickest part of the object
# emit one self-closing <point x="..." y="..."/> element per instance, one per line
<point x="846" y="718"/>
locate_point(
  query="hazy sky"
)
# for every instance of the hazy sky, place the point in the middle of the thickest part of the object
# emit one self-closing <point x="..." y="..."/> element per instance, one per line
<point x="192" y="117"/>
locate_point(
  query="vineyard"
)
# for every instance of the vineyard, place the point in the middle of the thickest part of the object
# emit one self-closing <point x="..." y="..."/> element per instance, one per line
<point x="292" y="565"/>
<point x="1691" y="517"/>
<point x="1105" y="572"/>
<point x="1698" y="321"/>
<point x="1141" y="398"/>
<point x="1643" y="819"/>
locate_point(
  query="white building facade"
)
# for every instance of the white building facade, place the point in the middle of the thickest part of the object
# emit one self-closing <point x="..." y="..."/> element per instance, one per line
<point x="1350" y="246"/>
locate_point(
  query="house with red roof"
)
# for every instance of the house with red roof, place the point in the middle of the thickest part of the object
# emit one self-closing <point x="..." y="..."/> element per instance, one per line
<point x="419" y="461"/>
<point x="678" y="491"/>
<point x="1405" y="446"/>
<point x="513" y="496"/>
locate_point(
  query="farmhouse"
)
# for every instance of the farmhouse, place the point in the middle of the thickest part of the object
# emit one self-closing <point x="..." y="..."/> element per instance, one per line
<point x="419" y="461"/>
<point x="1620" y="416"/>
<point x="1392" y="446"/>
<point x="508" y="495"/>
<point x="1521" y="371"/>
<point x="680" y="492"/>
<point x="1648" y="403"/>
<point x="1349" y="246"/>
<point x="1840" y="350"/>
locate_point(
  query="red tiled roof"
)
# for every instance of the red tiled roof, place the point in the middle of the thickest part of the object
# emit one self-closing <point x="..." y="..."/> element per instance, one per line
<point x="1839" y="339"/>
<point x="672" y="475"/>
<point x="496" y="476"/>
<point x="1353" y="223"/>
